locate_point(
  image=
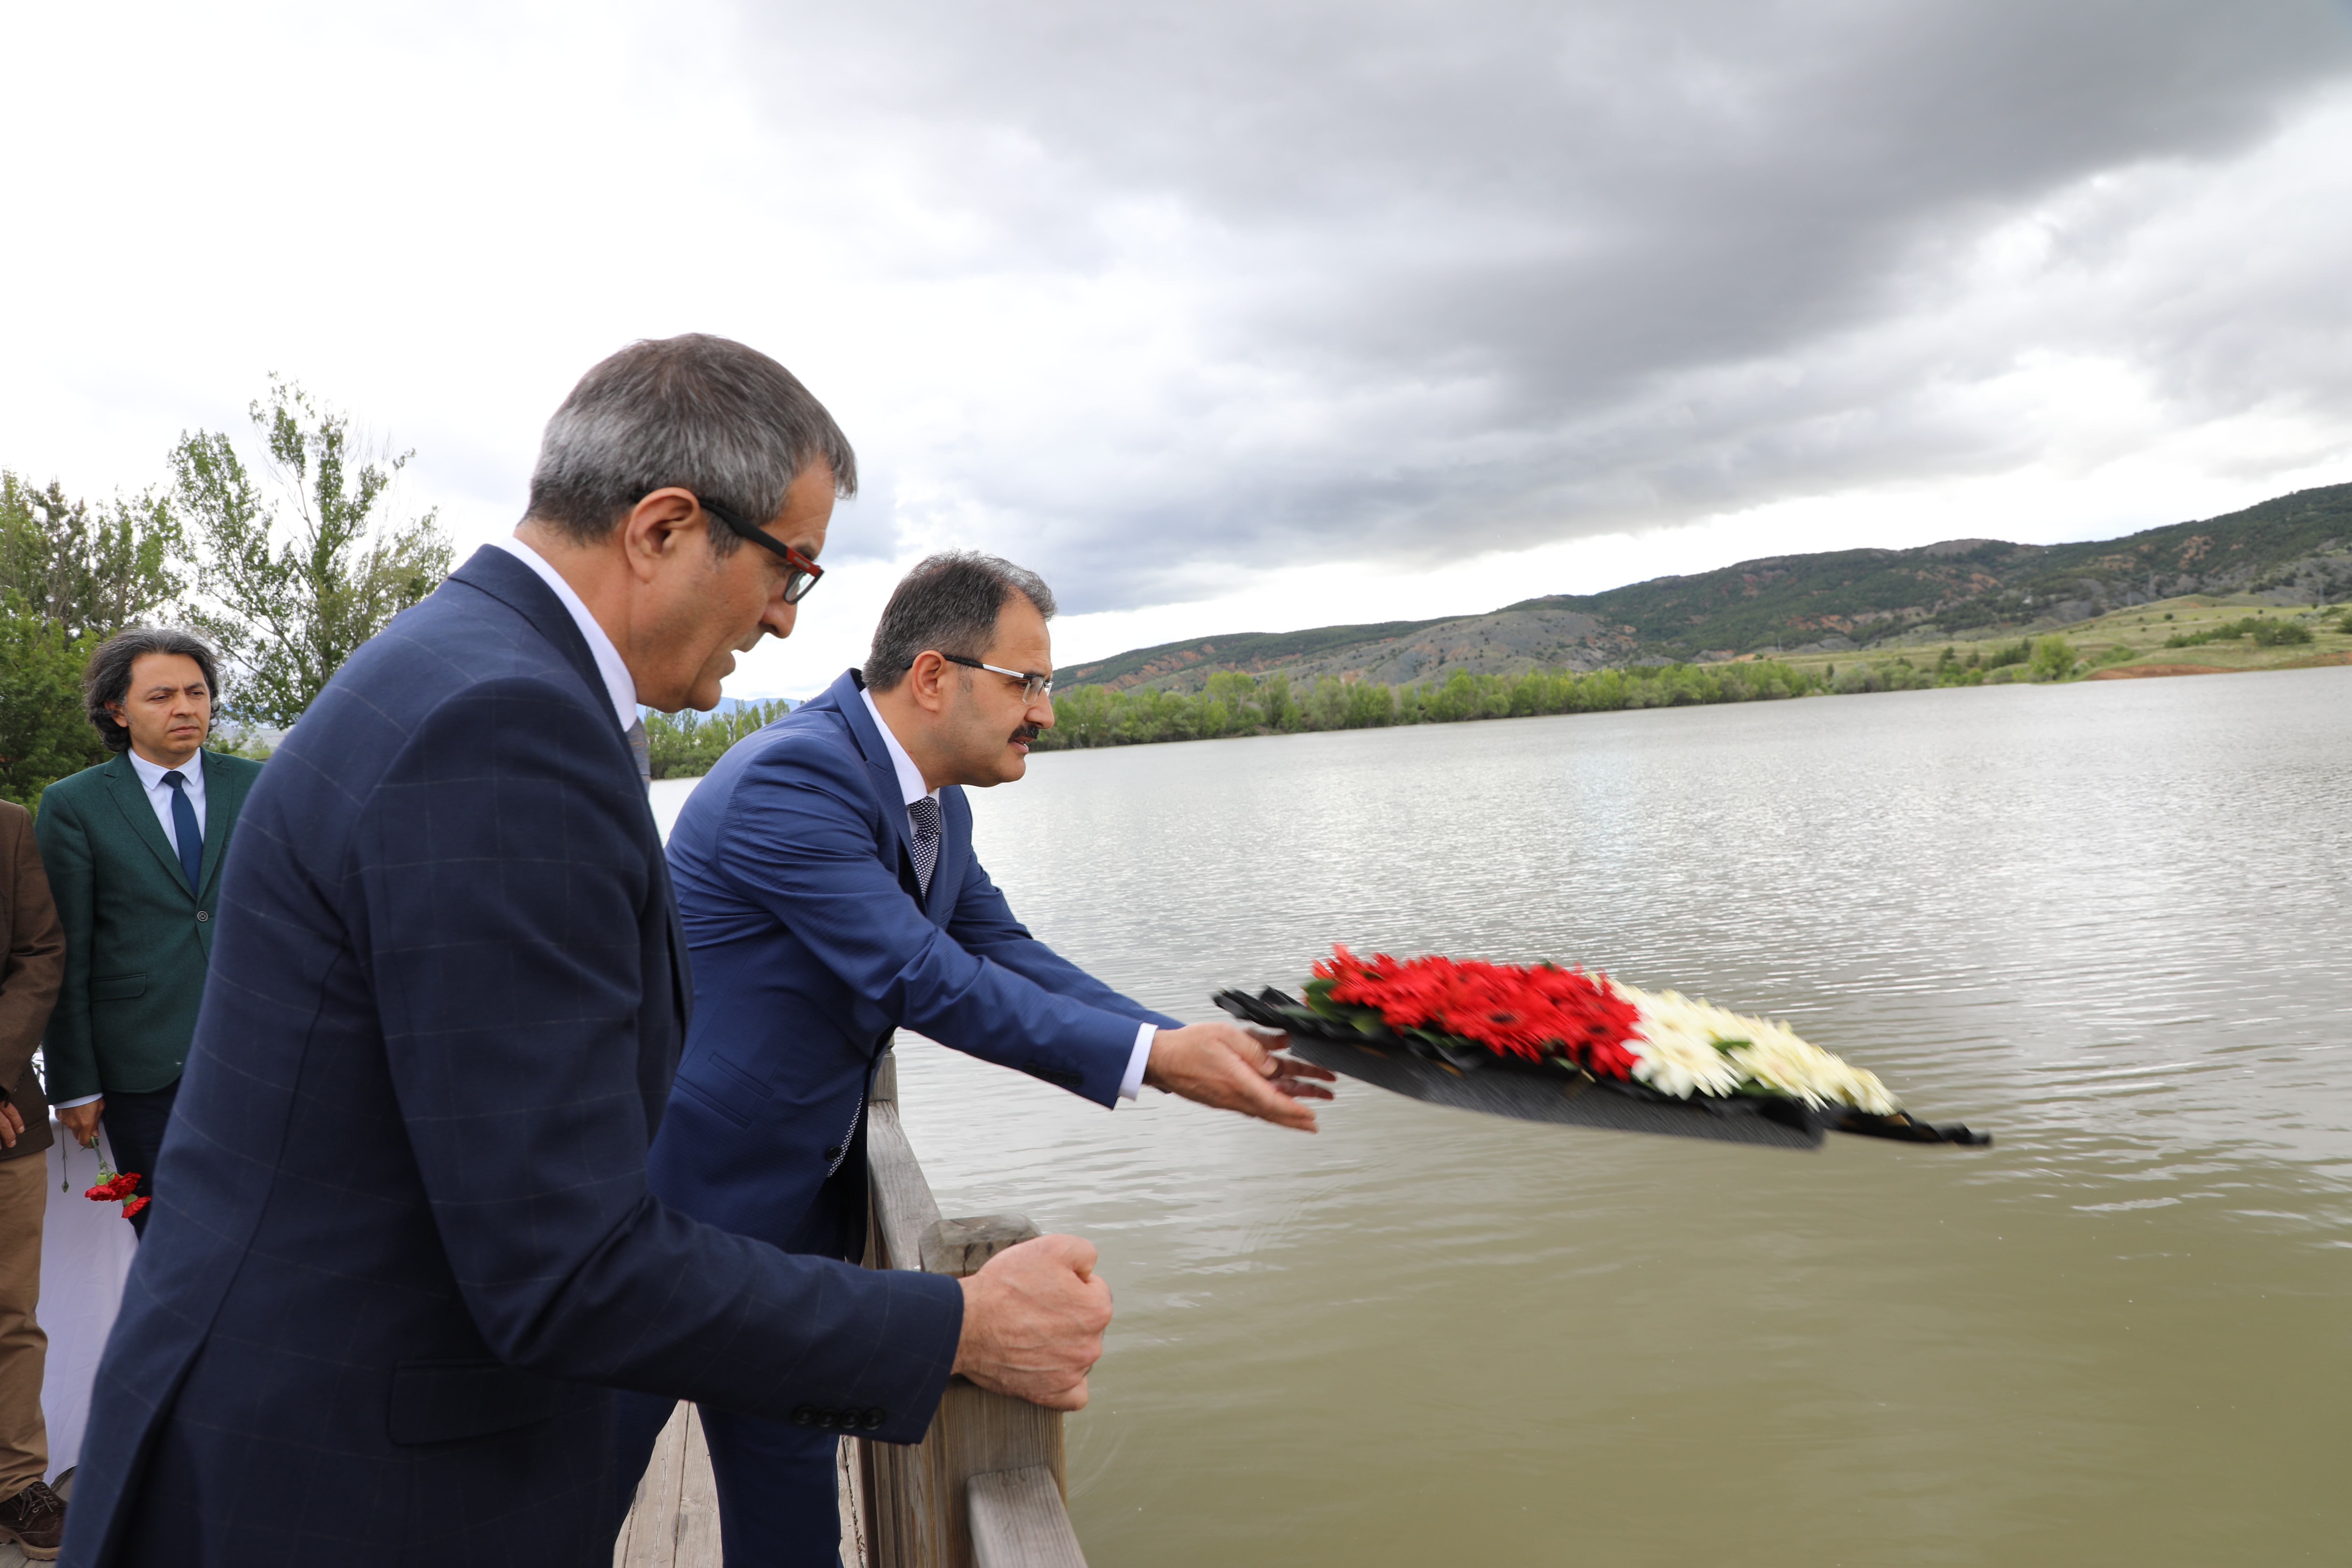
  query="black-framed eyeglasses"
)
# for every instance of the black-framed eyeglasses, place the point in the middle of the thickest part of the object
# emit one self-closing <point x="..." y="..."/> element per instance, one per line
<point x="1033" y="687"/>
<point x="805" y="571"/>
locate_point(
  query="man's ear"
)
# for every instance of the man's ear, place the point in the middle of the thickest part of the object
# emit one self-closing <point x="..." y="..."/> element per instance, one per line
<point x="659" y="527"/>
<point x="925" y="679"/>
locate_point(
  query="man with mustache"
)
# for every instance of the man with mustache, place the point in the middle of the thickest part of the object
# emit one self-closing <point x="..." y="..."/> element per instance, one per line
<point x="830" y="895"/>
<point x="404" y="1251"/>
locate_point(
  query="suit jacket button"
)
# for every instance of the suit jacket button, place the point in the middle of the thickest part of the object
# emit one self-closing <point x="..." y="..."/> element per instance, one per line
<point x="874" y="1419"/>
<point x="833" y="1153"/>
<point x="805" y="1416"/>
<point x="203" y="915"/>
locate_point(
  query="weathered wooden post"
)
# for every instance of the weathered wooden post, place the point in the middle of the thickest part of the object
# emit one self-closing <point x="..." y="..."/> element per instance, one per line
<point x="985" y="1488"/>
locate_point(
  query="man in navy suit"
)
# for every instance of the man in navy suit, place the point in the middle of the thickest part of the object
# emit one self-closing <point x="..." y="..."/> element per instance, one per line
<point x="830" y="895"/>
<point x="409" y="1250"/>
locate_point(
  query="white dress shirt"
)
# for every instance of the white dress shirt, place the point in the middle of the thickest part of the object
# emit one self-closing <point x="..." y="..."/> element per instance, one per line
<point x="159" y="793"/>
<point x="619" y="684"/>
<point x="911" y="787"/>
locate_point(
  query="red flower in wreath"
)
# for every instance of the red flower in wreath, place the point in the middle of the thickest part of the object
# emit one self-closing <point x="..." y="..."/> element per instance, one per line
<point x="1533" y="1011"/>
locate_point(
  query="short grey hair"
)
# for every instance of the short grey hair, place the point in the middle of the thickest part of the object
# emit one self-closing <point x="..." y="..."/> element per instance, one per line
<point x="105" y="679"/>
<point x="949" y="601"/>
<point x="701" y="411"/>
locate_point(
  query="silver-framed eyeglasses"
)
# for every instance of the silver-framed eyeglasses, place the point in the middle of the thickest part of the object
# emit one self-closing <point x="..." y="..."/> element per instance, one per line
<point x="1033" y="687"/>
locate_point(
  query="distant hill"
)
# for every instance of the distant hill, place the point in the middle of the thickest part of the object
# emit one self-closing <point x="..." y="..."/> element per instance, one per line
<point x="2296" y="549"/>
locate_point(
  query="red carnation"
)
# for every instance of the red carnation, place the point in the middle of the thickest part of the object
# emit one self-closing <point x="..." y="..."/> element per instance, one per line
<point x="1531" y="1011"/>
<point x="135" y="1206"/>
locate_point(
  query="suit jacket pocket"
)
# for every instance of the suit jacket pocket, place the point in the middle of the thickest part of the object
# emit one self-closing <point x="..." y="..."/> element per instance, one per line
<point x="117" y="988"/>
<point x="731" y="1105"/>
<point x="448" y="1401"/>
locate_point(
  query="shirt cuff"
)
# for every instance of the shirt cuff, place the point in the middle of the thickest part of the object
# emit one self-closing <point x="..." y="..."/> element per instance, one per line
<point x="1130" y="1085"/>
<point x="70" y="1104"/>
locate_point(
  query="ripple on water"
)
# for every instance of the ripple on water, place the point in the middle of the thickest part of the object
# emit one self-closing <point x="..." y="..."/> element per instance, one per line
<point x="2105" y="920"/>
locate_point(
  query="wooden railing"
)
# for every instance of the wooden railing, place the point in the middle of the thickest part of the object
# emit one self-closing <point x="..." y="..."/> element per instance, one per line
<point x="986" y="1487"/>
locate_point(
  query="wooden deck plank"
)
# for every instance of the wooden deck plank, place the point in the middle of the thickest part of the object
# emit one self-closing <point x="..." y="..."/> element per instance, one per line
<point x="697" y="1502"/>
<point x="648" y="1538"/>
<point x="674" y="1522"/>
<point x="849" y="1485"/>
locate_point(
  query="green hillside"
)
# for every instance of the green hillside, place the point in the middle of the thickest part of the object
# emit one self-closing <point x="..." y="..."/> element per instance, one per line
<point x="1241" y="650"/>
<point x="2295" y="549"/>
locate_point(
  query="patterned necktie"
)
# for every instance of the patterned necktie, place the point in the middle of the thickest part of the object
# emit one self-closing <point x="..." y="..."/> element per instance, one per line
<point x="924" y="812"/>
<point x="184" y="829"/>
<point x="641" y="749"/>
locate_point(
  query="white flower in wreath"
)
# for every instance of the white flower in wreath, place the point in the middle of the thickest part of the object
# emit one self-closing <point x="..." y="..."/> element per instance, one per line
<point x="1775" y="1059"/>
<point x="1674" y="1046"/>
<point x="1686" y="1046"/>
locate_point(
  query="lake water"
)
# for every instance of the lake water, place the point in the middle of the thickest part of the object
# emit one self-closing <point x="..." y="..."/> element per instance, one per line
<point x="2106" y="921"/>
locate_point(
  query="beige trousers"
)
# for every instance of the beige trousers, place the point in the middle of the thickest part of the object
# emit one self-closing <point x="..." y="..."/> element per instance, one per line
<point x="24" y="1348"/>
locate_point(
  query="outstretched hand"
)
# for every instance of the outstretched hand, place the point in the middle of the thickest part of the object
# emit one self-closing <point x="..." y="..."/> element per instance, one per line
<point x="1235" y="1068"/>
<point x="1033" y="1321"/>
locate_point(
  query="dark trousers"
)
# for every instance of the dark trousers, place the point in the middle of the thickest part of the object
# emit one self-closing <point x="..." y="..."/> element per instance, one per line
<point x="777" y="1503"/>
<point x="134" y="1126"/>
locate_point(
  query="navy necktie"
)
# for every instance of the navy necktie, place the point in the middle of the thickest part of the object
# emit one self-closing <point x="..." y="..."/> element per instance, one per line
<point x="184" y="829"/>
<point x="641" y="749"/>
<point x="925" y="814"/>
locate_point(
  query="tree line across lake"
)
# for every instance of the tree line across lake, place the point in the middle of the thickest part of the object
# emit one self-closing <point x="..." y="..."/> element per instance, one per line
<point x="1232" y="703"/>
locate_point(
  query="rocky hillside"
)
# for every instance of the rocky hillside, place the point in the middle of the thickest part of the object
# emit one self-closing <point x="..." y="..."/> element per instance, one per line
<point x="2296" y="549"/>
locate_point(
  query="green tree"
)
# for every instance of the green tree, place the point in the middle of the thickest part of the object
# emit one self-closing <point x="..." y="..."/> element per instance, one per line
<point x="290" y="598"/>
<point x="70" y="574"/>
<point x="88" y="569"/>
<point x="43" y="735"/>
<point x="2054" y="659"/>
<point x="689" y="744"/>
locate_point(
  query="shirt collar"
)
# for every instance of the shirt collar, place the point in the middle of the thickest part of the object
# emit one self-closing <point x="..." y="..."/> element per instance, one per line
<point x="619" y="684"/>
<point x="151" y="775"/>
<point x="910" y="777"/>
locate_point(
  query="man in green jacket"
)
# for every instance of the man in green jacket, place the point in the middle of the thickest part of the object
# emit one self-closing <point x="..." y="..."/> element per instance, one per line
<point x="133" y="849"/>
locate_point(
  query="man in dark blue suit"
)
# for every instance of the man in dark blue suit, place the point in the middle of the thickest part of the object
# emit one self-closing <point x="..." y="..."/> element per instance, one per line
<point x="830" y="895"/>
<point x="410" y="1250"/>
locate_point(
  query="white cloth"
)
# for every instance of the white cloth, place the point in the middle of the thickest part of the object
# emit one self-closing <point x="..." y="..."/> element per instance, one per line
<point x="912" y="789"/>
<point x="159" y="793"/>
<point x="86" y="1253"/>
<point x="619" y="684"/>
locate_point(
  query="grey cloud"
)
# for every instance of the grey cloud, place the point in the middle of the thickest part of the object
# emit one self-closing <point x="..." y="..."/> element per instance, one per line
<point x="1496" y="273"/>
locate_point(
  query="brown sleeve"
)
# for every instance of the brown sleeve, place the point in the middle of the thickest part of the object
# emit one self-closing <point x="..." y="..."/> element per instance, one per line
<point x="34" y="964"/>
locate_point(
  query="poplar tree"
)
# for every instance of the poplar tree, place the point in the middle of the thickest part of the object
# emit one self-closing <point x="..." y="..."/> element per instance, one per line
<point x="289" y="593"/>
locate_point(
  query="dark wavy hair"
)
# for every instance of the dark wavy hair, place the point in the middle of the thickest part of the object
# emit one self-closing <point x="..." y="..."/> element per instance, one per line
<point x="108" y="678"/>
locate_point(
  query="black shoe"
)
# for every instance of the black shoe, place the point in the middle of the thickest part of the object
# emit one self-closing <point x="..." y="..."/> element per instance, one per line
<point x="35" y="1519"/>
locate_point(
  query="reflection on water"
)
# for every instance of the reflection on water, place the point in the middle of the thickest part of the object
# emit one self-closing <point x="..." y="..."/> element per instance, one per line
<point x="2106" y="921"/>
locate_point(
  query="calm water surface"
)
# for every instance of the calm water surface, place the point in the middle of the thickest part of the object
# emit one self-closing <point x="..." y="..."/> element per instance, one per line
<point x="2107" y="922"/>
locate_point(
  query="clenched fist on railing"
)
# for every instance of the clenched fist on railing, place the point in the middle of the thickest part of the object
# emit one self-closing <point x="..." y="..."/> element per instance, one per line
<point x="1033" y="1321"/>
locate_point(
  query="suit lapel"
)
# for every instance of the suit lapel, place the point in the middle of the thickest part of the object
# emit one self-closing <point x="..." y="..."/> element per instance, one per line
<point x="224" y="790"/>
<point x="131" y="799"/>
<point x="880" y="771"/>
<point x="494" y="571"/>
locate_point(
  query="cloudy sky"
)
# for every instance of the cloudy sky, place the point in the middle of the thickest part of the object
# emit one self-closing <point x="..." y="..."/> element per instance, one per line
<point x="1230" y="317"/>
